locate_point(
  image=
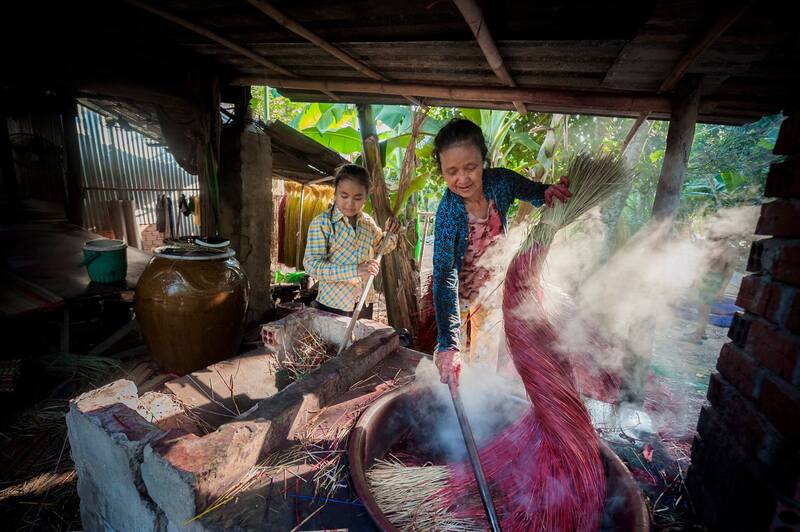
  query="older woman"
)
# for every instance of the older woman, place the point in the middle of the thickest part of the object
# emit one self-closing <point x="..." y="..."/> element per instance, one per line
<point x="470" y="220"/>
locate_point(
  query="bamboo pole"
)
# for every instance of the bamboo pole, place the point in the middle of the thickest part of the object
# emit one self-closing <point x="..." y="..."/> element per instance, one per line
<point x="632" y="133"/>
<point x="294" y="26"/>
<point x="261" y="60"/>
<point x="474" y="16"/>
<point x="424" y="235"/>
<point x="544" y="99"/>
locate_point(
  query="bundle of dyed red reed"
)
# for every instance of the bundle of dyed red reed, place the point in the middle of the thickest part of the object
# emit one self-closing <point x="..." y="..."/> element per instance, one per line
<point x="545" y="471"/>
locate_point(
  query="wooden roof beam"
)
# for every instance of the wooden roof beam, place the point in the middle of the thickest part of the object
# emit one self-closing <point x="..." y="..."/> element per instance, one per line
<point x="720" y="26"/>
<point x="625" y="104"/>
<point x="295" y="27"/>
<point x="191" y="26"/>
<point x="474" y="16"/>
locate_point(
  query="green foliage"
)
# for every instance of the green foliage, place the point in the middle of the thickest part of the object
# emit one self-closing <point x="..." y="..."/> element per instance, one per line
<point x="727" y="166"/>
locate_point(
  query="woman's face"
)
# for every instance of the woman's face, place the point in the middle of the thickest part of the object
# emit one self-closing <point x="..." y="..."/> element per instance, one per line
<point x="350" y="197"/>
<point x="462" y="169"/>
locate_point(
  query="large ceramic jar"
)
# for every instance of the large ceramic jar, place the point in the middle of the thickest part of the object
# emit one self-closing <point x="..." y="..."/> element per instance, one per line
<point x="190" y="305"/>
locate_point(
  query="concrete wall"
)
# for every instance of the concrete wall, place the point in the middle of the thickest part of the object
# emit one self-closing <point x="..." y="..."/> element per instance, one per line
<point x="246" y="208"/>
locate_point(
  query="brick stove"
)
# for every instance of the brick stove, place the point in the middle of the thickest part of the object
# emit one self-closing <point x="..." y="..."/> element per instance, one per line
<point x="154" y="461"/>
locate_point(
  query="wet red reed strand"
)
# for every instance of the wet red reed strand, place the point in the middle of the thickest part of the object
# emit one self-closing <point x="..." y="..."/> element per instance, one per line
<point x="545" y="471"/>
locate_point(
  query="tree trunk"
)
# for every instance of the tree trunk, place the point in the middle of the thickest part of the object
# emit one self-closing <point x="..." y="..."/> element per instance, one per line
<point x="673" y="171"/>
<point x="397" y="271"/>
<point x="679" y="142"/>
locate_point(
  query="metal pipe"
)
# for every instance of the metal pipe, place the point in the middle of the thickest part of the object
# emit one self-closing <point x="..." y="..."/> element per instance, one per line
<point x="472" y="451"/>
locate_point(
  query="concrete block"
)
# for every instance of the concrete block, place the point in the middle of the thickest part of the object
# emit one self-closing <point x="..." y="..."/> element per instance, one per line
<point x="184" y="473"/>
<point x="208" y="391"/>
<point x="290" y="409"/>
<point x="107" y="439"/>
<point x="279" y="335"/>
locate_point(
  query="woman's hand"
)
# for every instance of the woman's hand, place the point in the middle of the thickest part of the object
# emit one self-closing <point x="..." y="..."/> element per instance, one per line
<point x="559" y="191"/>
<point x="392" y="225"/>
<point x="368" y="267"/>
<point x="449" y="364"/>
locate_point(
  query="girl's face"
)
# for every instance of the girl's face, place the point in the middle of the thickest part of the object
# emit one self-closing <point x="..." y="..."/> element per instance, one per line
<point x="350" y="197"/>
<point x="462" y="169"/>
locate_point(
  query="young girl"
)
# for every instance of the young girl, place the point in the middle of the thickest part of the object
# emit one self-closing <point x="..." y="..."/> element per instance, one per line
<point x="342" y="243"/>
<point x="470" y="220"/>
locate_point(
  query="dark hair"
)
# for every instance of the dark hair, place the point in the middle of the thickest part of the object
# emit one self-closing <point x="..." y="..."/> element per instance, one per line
<point x="458" y="131"/>
<point x="352" y="172"/>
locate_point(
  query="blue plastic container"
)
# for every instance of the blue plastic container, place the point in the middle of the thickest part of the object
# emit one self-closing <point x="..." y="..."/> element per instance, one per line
<point x="106" y="260"/>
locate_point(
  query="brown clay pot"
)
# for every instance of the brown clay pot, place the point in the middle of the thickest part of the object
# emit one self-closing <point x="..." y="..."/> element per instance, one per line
<point x="190" y="305"/>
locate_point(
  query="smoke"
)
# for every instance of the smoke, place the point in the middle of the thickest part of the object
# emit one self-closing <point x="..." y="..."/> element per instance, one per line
<point x="733" y="223"/>
<point x="609" y="311"/>
<point x="637" y="290"/>
<point x="491" y="402"/>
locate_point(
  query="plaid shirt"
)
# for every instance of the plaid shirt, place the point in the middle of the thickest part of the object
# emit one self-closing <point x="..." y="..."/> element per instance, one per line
<point x="332" y="257"/>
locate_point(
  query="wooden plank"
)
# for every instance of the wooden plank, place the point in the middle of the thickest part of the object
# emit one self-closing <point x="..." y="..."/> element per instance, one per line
<point x="566" y="100"/>
<point x="292" y="25"/>
<point x="721" y="24"/>
<point x="261" y="60"/>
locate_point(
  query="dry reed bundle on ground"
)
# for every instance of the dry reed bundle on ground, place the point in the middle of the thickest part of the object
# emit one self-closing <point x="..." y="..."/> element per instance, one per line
<point x="306" y="353"/>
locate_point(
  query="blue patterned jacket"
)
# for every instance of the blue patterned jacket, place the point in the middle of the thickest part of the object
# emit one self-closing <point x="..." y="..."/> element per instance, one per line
<point x="451" y="234"/>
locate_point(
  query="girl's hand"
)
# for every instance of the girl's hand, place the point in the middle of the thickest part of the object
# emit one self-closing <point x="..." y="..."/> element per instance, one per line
<point x="368" y="267"/>
<point x="392" y="225"/>
<point x="449" y="364"/>
<point x="560" y="191"/>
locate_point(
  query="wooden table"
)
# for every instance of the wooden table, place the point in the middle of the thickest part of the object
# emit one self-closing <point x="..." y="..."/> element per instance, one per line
<point x="41" y="272"/>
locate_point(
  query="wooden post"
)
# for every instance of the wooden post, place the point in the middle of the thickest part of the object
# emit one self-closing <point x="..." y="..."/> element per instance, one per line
<point x="679" y="143"/>
<point x="72" y="152"/>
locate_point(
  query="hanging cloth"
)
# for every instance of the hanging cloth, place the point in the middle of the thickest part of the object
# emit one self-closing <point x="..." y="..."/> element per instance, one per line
<point x="160" y="218"/>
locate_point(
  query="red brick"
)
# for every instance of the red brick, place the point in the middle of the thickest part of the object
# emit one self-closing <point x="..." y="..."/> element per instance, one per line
<point x="739" y="369"/>
<point x="780" y="403"/>
<point x="792" y="318"/>
<point x="780" y="218"/>
<point x="786" y="265"/>
<point x="779" y="297"/>
<point x="778" y="351"/>
<point x="783" y="180"/>
<point x="749" y="297"/>
<point x="788" y="142"/>
<point x="772" y="300"/>
<point x="746" y="425"/>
